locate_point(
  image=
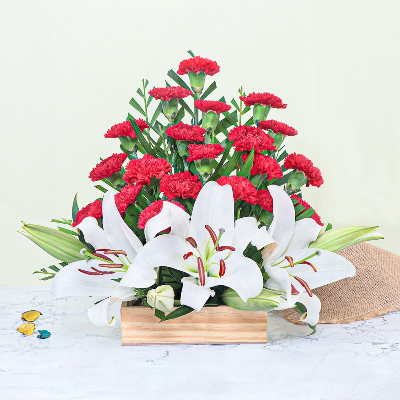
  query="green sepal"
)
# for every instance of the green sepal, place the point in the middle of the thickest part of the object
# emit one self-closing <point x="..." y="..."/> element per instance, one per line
<point x="265" y="301"/>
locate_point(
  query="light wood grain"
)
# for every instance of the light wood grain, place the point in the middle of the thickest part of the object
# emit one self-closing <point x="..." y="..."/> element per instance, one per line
<point x="213" y="325"/>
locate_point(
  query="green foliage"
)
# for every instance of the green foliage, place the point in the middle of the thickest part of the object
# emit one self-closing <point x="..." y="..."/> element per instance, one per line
<point x="265" y="301"/>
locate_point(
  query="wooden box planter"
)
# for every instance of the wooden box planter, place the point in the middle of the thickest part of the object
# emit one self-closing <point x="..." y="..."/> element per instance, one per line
<point x="213" y="325"/>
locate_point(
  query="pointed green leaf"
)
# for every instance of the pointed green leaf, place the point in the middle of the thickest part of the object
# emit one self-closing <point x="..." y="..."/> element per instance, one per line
<point x="177" y="79"/>
<point x="235" y="104"/>
<point x="157" y="112"/>
<point x="137" y="106"/>
<point x="67" y="231"/>
<point x="101" y="188"/>
<point x="209" y="90"/>
<point x="265" y="301"/>
<point x="306" y="214"/>
<point x="179" y="115"/>
<point x="282" y="156"/>
<point x="186" y="107"/>
<point x="179" y="312"/>
<point x="142" y="140"/>
<point x="191" y="53"/>
<point x="328" y="227"/>
<point x="247" y="166"/>
<point x="75" y="207"/>
<point x="249" y="122"/>
<point x="140" y="93"/>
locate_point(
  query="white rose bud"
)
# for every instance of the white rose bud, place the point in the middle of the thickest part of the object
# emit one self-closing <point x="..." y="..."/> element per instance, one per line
<point x="161" y="298"/>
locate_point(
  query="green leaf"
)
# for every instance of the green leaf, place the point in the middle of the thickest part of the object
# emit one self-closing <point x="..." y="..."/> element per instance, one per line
<point x="75" y="207"/>
<point x="246" y="109"/>
<point x="67" y="231"/>
<point x="54" y="268"/>
<point x="191" y="53"/>
<point x="186" y="107"/>
<point x="231" y="164"/>
<point x="249" y="122"/>
<point x="177" y="79"/>
<point x="282" y="156"/>
<point x="328" y="227"/>
<point x="65" y="222"/>
<point x="232" y="118"/>
<point x="157" y="112"/>
<point x="248" y="165"/>
<point x="179" y="312"/>
<point x="235" y="104"/>
<point x="209" y="90"/>
<point x="140" y="93"/>
<point x="266" y="301"/>
<point x="142" y="140"/>
<point x="338" y="239"/>
<point x="137" y="106"/>
<point x="306" y="214"/>
<point x="283" y="180"/>
<point x="179" y="115"/>
<point x="149" y="100"/>
<point x="159" y="314"/>
<point x="46" y="278"/>
<point x="101" y="188"/>
<point x="299" y="209"/>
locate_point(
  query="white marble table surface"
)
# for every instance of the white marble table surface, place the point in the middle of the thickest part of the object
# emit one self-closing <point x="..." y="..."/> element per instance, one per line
<point x="81" y="361"/>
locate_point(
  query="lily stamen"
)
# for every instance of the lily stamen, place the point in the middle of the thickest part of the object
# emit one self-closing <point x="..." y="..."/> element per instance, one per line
<point x="115" y="252"/>
<point x="202" y="274"/>
<point x="102" y="272"/>
<point x="191" y="241"/>
<point x="111" y="265"/>
<point x="212" y="234"/>
<point x="294" y="290"/>
<point x="98" y="255"/>
<point x="88" y="272"/>
<point x="304" y="284"/>
<point x="222" y="248"/>
<point x="290" y="261"/>
<point x="222" y="268"/>
<point x="308" y="263"/>
<point x="187" y="255"/>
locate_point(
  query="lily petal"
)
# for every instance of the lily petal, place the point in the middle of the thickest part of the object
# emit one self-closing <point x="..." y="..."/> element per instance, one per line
<point x="93" y="233"/>
<point x="214" y="207"/>
<point x="194" y="295"/>
<point x="165" y="250"/>
<point x="246" y="231"/>
<point x="305" y="231"/>
<point x="117" y="232"/>
<point x="171" y="216"/>
<point x="279" y="281"/>
<point x="69" y="281"/>
<point x="331" y="267"/>
<point x="98" y="314"/>
<point x="282" y="225"/>
<point x="242" y="275"/>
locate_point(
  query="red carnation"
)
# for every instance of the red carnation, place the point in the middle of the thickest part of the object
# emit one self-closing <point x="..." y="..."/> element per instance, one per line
<point x="125" y="129"/>
<point x="182" y="184"/>
<point x="302" y="163"/>
<point x="245" y="138"/>
<point x="109" y="166"/>
<point x="242" y="188"/>
<point x="315" y="216"/>
<point x="152" y="210"/>
<point x="200" y="151"/>
<point x="278" y="127"/>
<point x="266" y="99"/>
<point x="191" y="133"/>
<point x="141" y="171"/>
<point x="198" y="64"/>
<point x="265" y="200"/>
<point x="265" y="165"/>
<point x="168" y="93"/>
<point x="208" y="105"/>
<point x="126" y="196"/>
<point x="91" y="210"/>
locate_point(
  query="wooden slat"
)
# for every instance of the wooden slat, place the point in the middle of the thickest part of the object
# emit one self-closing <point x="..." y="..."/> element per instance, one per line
<point x="213" y="325"/>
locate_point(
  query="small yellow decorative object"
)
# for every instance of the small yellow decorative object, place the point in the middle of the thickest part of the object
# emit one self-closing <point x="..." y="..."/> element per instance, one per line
<point x="27" y="328"/>
<point x="31" y="316"/>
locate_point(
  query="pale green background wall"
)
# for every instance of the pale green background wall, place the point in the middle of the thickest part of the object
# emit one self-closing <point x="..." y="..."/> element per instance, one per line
<point x="69" y="68"/>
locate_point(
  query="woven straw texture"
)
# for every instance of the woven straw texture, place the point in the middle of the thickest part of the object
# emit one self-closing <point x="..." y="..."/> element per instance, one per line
<point x="373" y="292"/>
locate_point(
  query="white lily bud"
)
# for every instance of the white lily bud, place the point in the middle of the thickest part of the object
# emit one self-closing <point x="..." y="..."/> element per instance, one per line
<point x="161" y="298"/>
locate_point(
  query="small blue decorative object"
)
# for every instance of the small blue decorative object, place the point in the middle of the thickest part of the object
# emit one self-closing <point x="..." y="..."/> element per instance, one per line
<point x="44" y="334"/>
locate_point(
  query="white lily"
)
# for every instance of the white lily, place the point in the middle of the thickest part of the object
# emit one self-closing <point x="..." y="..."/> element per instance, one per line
<point x="195" y="248"/>
<point x="116" y="247"/>
<point x="293" y="268"/>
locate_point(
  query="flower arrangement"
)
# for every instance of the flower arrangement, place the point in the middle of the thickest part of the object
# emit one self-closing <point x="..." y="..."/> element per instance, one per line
<point x="204" y="212"/>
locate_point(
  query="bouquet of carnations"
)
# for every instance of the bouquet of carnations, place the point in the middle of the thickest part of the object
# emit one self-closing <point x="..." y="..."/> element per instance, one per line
<point x="204" y="212"/>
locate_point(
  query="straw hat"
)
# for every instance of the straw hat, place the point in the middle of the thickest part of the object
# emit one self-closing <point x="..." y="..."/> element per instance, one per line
<point x="373" y="292"/>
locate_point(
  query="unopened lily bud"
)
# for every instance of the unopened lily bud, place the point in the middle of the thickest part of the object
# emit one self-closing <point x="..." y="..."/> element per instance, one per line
<point x="197" y="81"/>
<point x="297" y="179"/>
<point x="170" y="108"/>
<point x="162" y="298"/>
<point x="210" y="120"/>
<point x="260" y="112"/>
